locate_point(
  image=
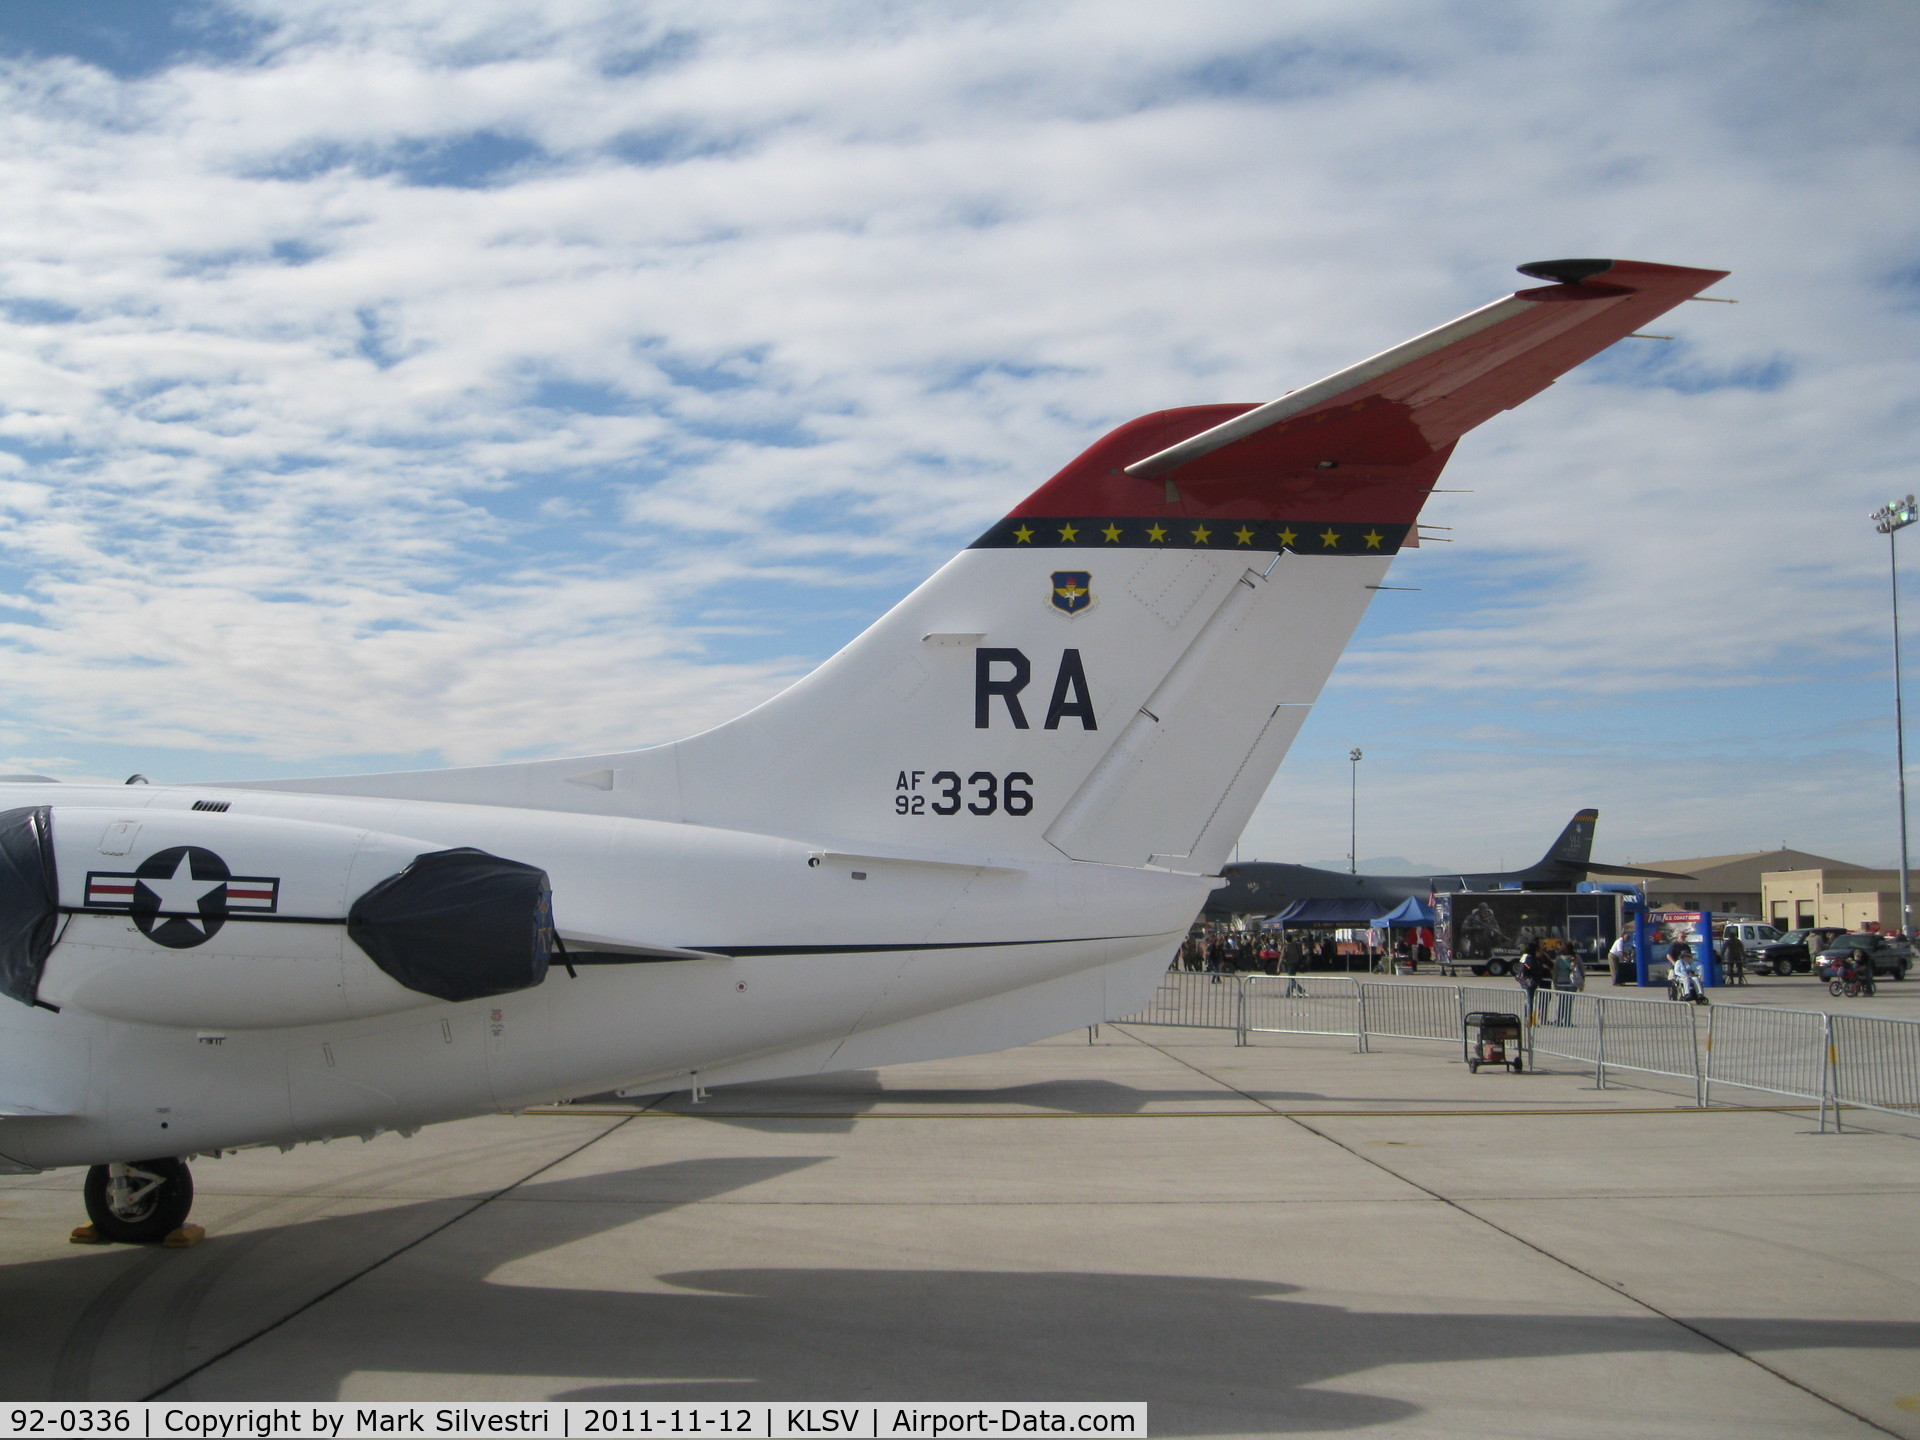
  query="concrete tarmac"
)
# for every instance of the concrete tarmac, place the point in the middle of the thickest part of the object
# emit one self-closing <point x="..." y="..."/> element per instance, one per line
<point x="1283" y="1238"/>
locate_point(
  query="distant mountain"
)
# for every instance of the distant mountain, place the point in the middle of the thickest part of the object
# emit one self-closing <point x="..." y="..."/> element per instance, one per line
<point x="1379" y="865"/>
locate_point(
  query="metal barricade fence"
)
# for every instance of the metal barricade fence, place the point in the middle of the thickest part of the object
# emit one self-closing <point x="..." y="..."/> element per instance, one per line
<point x="1875" y="1064"/>
<point x="1758" y="1047"/>
<point x="1203" y="1000"/>
<point x="1320" y="1005"/>
<point x="1303" y="1005"/>
<point x="1655" y="1037"/>
<point x="1413" y="1012"/>
<point x="1833" y="1060"/>
<point x="1569" y="1026"/>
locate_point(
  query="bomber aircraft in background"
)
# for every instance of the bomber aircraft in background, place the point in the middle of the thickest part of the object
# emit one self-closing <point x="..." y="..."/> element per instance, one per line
<point x="1260" y="887"/>
<point x="991" y="818"/>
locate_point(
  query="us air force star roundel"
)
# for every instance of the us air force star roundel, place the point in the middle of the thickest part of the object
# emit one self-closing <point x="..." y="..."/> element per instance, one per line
<point x="180" y="897"/>
<point x="1072" y="591"/>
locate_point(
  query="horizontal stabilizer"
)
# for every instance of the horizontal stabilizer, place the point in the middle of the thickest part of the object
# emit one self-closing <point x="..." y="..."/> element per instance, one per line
<point x="1640" y="870"/>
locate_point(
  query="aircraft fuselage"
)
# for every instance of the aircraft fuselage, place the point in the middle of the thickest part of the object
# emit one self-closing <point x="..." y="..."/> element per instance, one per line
<point x="807" y="959"/>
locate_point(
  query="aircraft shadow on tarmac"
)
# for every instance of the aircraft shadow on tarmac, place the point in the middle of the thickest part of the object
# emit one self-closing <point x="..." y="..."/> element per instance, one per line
<point x="829" y="1105"/>
<point x="123" y="1322"/>
<point x="1211" y="1355"/>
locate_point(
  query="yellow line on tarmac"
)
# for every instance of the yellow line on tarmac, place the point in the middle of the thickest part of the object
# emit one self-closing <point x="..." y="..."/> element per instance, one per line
<point x="1141" y="1114"/>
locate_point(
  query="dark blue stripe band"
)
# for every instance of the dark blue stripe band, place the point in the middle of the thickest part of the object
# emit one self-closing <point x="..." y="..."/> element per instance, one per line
<point x="1132" y="532"/>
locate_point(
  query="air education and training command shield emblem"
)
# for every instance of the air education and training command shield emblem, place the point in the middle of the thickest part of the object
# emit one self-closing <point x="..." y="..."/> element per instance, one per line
<point x="1072" y="592"/>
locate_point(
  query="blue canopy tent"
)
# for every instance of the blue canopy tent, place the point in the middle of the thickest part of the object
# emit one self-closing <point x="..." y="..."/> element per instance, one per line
<point x="1346" y="913"/>
<point x="1411" y="911"/>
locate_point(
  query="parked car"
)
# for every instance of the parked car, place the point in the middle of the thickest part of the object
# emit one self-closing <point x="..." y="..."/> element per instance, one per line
<point x="1793" y="951"/>
<point x="1890" y="957"/>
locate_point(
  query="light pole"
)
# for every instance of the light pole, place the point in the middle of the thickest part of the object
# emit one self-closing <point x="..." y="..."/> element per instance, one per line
<point x="1353" y="811"/>
<point x="1896" y="515"/>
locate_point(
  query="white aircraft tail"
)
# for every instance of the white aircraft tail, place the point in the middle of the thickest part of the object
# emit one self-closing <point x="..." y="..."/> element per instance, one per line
<point x="1114" y="671"/>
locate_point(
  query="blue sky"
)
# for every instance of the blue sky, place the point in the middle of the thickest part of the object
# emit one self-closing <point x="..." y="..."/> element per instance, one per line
<point x="421" y="382"/>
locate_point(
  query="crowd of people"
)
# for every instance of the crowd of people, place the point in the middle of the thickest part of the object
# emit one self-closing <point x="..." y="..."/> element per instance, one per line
<point x="1233" y="951"/>
<point x="1548" y="966"/>
<point x="1288" y="953"/>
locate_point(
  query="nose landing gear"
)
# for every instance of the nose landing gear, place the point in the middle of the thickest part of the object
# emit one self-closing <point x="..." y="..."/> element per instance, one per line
<point x="144" y="1202"/>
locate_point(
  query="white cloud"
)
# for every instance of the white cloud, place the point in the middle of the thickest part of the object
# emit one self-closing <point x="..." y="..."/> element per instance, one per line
<point x="323" y="457"/>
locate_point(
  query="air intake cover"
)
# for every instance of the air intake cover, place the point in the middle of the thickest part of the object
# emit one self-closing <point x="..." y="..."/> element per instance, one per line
<point x="29" y="900"/>
<point x="458" y="925"/>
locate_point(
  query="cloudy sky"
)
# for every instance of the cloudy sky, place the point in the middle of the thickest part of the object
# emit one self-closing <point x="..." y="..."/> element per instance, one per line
<point x="444" y="381"/>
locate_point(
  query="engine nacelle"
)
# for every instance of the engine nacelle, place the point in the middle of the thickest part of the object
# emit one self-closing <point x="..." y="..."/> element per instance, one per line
<point x="223" y="921"/>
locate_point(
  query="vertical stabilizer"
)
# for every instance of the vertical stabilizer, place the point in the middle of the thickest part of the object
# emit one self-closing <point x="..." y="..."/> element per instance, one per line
<point x="1574" y="849"/>
<point x="1114" y="670"/>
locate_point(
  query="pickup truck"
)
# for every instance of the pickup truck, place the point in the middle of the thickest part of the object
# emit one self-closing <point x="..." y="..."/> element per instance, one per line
<point x="1793" y="952"/>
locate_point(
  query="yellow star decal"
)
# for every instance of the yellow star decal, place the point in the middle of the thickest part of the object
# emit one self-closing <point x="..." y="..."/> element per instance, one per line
<point x="1329" y="538"/>
<point x="1069" y="534"/>
<point x="1156" y="534"/>
<point x="1201" y="534"/>
<point x="1112" y="532"/>
<point x="1243" y="535"/>
<point x="1022" y="535"/>
<point x="1372" y="538"/>
<point x="1287" y="537"/>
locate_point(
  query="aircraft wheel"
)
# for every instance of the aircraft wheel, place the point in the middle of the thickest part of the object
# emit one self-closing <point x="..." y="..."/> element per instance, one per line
<point x="141" y="1204"/>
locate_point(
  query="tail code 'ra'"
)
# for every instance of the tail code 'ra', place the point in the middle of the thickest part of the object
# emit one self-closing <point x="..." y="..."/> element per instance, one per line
<point x="1114" y="670"/>
<point x="1070" y="698"/>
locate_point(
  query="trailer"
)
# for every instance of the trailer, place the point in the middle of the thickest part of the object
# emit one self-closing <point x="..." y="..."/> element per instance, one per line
<point x="1485" y="931"/>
